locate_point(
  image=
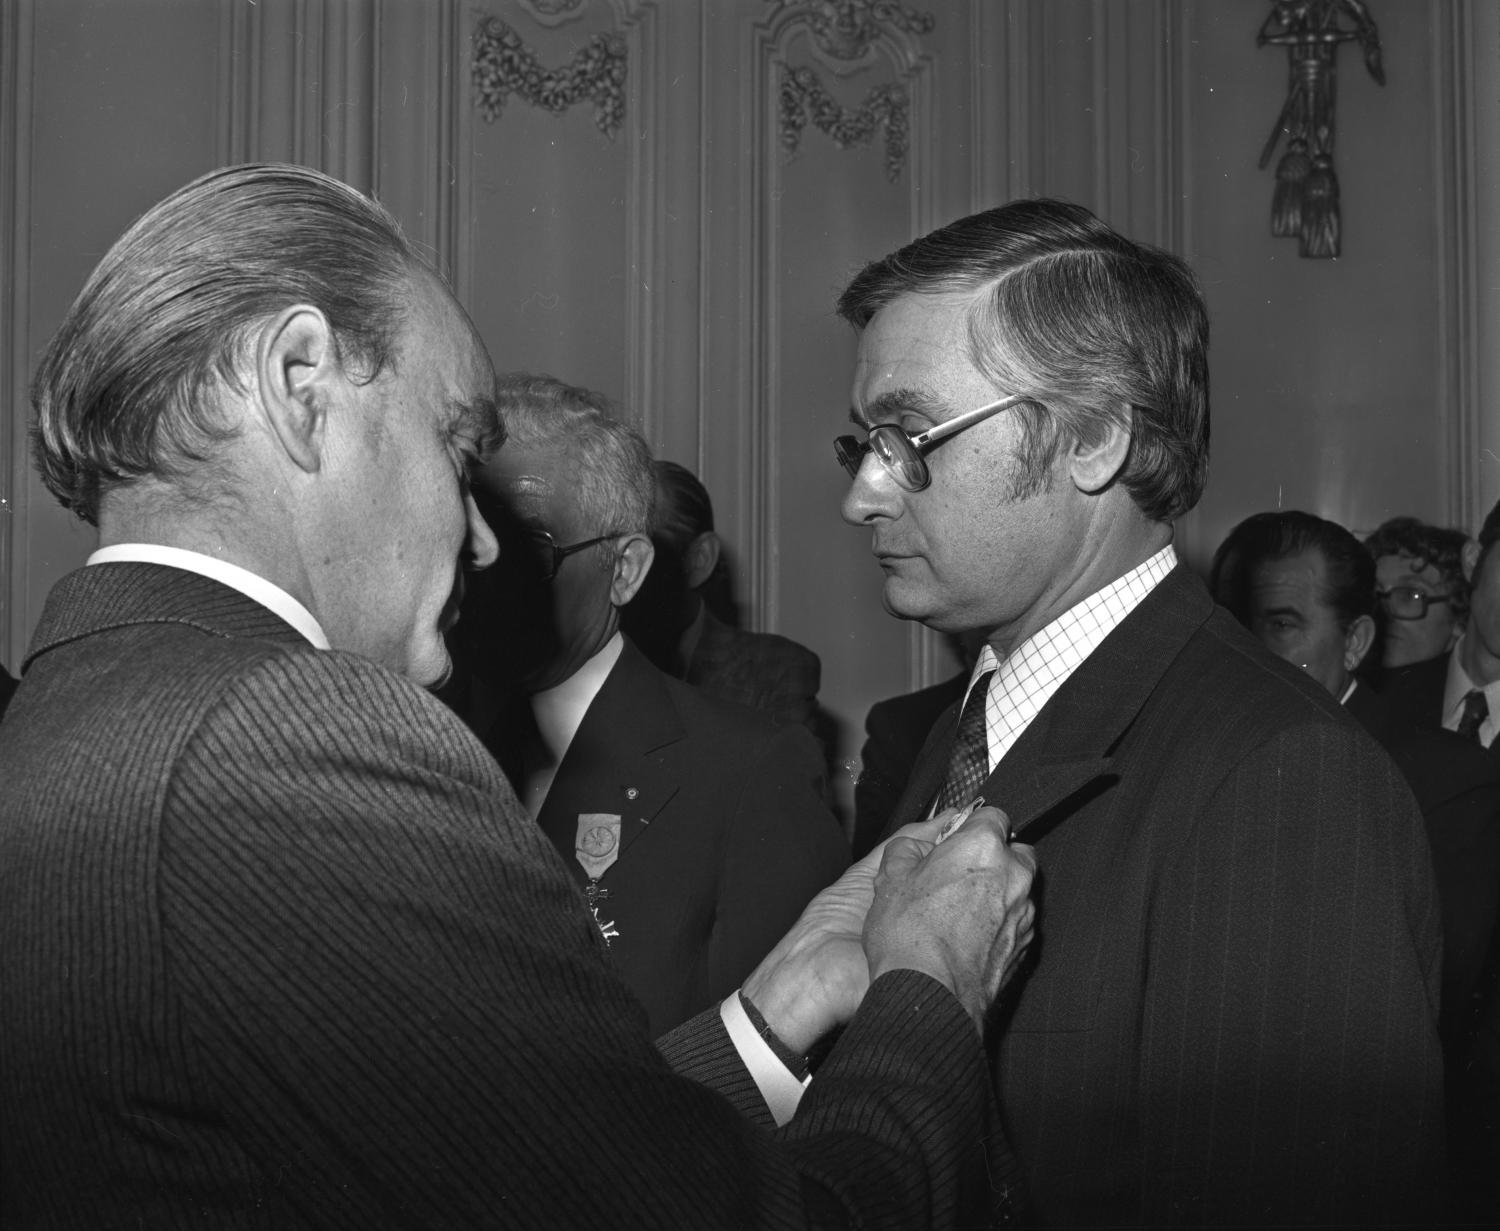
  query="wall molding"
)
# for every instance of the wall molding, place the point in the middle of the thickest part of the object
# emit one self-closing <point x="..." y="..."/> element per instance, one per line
<point x="1456" y="215"/>
<point x="298" y="83"/>
<point x="648" y="166"/>
<point x="766" y="56"/>
<point x="421" y="165"/>
<point x="16" y="69"/>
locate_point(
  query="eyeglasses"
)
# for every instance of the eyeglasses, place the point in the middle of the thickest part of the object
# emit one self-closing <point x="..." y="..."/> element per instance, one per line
<point x="549" y="556"/>
<point x="1409" y="602"/>
<point x="902" y="453"/>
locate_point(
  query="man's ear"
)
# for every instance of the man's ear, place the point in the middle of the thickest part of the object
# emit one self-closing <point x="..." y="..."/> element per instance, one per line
<point x="1094" y="466"/>
<point x="1358" y="638"/>
<point x="296" y="364"/>
<point x="700" y="559"/>
<point x="632" y="562"/>
<point x="1470" y="559"/>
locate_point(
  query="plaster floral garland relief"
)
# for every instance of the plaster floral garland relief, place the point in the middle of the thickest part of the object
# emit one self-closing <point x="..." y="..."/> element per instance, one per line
<point x="804" y="99"/>
<point x="503" y="65"/>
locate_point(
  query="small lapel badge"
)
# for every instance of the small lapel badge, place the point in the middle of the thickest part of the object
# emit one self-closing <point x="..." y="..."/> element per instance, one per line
<point x="598" y="843"/>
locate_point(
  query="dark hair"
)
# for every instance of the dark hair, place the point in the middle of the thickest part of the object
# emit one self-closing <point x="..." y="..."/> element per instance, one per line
<point x="1425" y="544"/>
<point x="683" y="508"/>
<point x="615" y="481"/>
<point x="1092" y="328"/>
<point x="1348" y="569"/>
<point x="1490" y="530"/>
<point x="124" y="388"/>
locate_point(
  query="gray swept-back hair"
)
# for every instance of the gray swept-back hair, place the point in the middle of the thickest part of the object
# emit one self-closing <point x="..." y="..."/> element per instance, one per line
<point x="1092" y="328"/>
<point x="124" y="390"/>
<point x="616" y="483"/>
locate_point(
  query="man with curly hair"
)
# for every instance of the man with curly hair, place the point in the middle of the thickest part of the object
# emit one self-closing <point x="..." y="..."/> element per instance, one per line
<point x="1424" y="597"/>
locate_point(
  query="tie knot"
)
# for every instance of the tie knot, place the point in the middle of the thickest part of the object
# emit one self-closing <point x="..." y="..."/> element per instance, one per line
<point x="969" y="762"/>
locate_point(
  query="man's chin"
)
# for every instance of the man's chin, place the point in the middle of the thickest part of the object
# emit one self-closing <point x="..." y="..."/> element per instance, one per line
<point x="899" y="600"/>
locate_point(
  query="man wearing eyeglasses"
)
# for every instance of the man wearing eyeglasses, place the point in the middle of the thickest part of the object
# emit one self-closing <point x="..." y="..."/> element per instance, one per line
<point x="1461" y="689"/>
<point x="1230" y="1014"/>
<point x="1424" y="595"/>
<point x="696" y="827"/>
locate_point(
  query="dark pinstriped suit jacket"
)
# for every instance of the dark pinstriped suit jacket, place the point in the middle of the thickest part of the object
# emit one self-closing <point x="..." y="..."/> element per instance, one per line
<point x="278" y="949"/>
<point x="1228" y="1015"/>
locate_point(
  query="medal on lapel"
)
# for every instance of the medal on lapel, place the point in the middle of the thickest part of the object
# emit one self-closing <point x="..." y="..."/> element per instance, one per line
<point x="596" y="848"/>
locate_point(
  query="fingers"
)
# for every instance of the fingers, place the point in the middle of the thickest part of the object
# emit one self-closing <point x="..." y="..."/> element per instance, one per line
<point x="958" y="910"/>
<point x="903" y="852"/>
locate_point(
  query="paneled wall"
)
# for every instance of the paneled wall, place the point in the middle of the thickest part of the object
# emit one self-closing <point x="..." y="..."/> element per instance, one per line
<point x="687" y="261"/>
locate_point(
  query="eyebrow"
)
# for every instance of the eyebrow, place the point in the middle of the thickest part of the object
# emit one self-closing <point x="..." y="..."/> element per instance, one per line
<point x="894" y="402"/>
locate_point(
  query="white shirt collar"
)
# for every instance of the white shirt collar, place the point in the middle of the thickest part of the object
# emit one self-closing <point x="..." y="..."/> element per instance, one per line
<point x="559" y="710"/>
<point x="1458" y="686"/>
<point x="1040" y="665"/>
<point x="251" y="585"/>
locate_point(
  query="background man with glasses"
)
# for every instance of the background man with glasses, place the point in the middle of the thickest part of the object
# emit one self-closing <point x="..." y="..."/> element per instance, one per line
<point x="1424" y="594"/>
<point x="1229" y="1016"/>
<point x="697" y="827"/>
<point x="1460" y="690"/>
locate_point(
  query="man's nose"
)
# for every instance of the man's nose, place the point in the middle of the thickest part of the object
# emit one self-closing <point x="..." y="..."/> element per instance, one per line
<point x="483" y="549"/>
<point x="873" y="494"/>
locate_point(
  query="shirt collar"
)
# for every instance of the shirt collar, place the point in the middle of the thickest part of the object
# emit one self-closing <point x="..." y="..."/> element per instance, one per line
<point x="559" y="710"/>
<point x="1459" y="685"/>
<point x="1040" y="665"/>
<point x="253" y="586"/>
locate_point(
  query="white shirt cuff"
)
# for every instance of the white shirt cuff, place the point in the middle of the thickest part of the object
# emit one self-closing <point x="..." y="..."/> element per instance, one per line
<point x="773" y="1079"/>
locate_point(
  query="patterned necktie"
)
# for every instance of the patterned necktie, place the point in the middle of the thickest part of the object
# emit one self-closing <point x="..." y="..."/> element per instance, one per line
<point x="969" y="762"/>
<point x="1476" y="710"/>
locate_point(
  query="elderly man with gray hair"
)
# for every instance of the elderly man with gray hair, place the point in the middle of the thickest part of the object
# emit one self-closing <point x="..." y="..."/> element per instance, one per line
<point x="695" y="826"/>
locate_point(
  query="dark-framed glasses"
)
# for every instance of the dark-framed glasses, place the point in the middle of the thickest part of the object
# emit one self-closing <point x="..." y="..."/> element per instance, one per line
<point x="1408" y="602"/>
<point x="902" y="453"/>
<point x="548" y="556"/>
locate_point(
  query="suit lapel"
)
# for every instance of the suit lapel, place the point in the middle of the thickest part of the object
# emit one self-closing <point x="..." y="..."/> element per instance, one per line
<point x="927" y="771"/>
<point x="103" y="596"/>
<point x="613" y="765"/>
<point x="1066" y="751"/>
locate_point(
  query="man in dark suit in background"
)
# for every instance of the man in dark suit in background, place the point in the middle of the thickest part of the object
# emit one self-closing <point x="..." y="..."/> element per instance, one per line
<point x="278" y="948"/>
<point x="1230" y="1013"/>
<point x="1460" y="691"/>
<point x="696" y="826"/>
<point x="673" y="624"/>
<point x="1306" y="588"/>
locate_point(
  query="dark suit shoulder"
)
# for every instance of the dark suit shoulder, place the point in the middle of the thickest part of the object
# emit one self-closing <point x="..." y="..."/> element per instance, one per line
<point x="913" y="713"/>
<point x="1415" y="691"/>
<point x="764" y="670"/>
<point x="1226" y="684"/>
<point x="1439" y="765"/>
